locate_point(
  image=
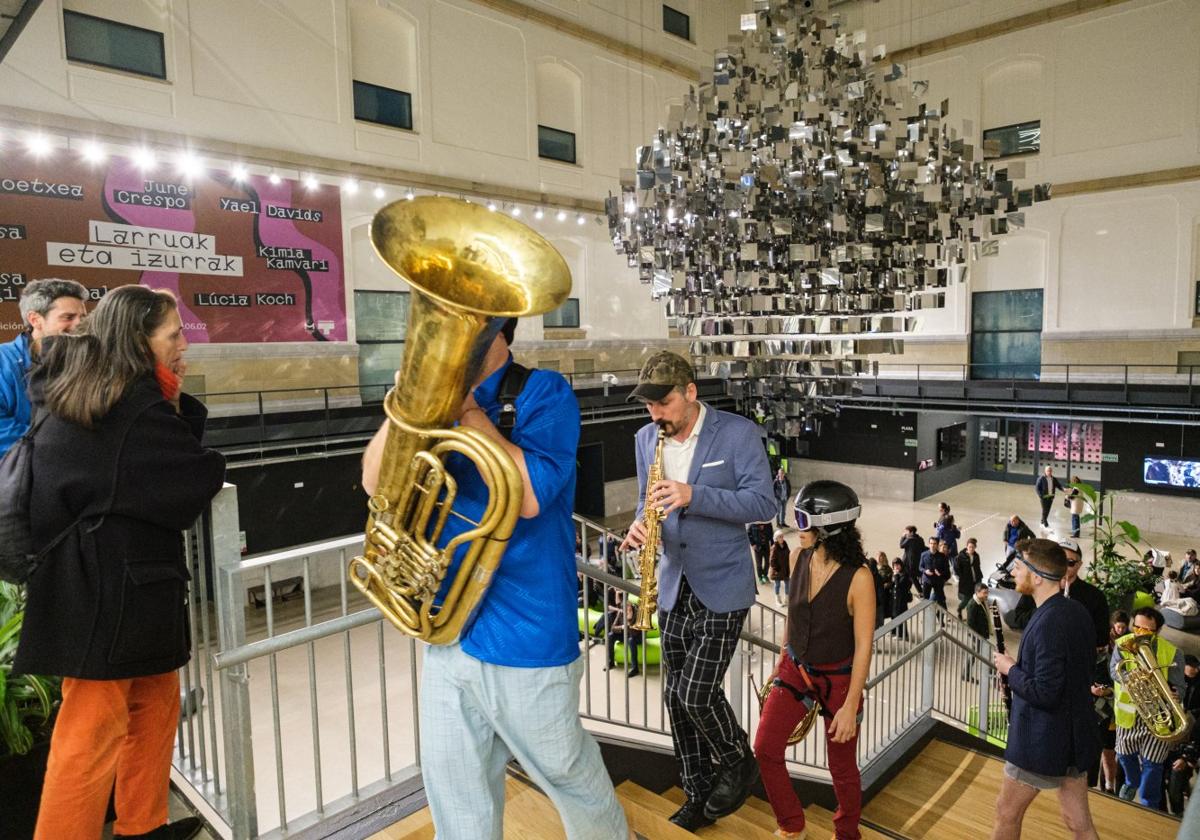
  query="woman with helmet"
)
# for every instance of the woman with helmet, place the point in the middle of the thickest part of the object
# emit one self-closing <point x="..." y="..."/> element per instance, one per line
<point x="830" y="623"/>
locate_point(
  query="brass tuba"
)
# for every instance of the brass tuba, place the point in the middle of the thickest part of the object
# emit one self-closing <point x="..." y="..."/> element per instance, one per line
<point x="469" y="269"/>
<point x="1156" y="705"/>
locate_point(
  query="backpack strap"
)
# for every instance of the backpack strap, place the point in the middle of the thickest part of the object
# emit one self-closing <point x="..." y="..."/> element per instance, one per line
<point x="510" y="388"/>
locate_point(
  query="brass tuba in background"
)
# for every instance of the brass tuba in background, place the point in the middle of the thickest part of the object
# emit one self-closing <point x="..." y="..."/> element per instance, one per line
<point x="469" y="269"/>
<point x="1151" y="694"/>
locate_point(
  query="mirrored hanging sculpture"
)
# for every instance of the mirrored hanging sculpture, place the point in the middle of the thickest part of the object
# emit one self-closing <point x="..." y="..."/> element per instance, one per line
<point x="801" y="206"/>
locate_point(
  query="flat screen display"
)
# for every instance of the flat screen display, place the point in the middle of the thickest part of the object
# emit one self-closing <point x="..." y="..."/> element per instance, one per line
<point x="1172" y="472"/>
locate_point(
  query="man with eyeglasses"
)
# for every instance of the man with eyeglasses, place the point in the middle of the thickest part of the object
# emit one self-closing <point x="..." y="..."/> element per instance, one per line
<point x="1052" y="739"/>
<point x="1142" y="756"/>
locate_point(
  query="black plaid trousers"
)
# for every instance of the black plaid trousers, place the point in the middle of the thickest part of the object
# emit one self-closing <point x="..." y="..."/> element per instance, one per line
<point x="697" y="645"/>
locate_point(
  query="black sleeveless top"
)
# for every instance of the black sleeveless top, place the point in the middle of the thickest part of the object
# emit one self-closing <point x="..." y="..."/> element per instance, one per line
<point x="821" y="632"/>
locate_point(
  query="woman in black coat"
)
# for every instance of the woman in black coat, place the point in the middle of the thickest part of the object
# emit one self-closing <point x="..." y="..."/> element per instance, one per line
<point x="118" y="473"/>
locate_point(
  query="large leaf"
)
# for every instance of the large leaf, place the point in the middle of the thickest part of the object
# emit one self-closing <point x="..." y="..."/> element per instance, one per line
<point x="1088" y="491"/>
<point x="1131" y="531"/>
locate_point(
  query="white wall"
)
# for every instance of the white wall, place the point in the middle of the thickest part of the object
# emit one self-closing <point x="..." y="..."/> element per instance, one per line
<point x="1117" y="91"/>
<point x="279" y="75"/>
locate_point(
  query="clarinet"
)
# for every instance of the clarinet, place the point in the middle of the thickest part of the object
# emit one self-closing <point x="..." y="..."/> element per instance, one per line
<point x="1005" y="689"/>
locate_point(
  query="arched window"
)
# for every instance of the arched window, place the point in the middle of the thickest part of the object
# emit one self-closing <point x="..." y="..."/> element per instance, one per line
<point x="383" y="52"/>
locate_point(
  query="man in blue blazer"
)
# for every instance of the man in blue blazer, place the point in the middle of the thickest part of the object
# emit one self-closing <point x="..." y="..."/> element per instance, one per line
<point x="716" y="479"/>
<point x="1052" y="732"/>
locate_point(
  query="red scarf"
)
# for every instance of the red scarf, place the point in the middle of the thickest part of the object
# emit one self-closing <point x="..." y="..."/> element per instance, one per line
<point x="168" y="381"/>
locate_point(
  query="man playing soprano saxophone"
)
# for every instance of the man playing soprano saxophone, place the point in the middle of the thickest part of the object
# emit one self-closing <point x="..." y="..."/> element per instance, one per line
<point x="716" y="479"/>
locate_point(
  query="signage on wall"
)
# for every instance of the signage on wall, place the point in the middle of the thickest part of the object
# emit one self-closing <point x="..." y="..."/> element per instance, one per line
<point x="248" y="260"/>
<point x="1108" y="457"/>
<point x="910" y="442"/>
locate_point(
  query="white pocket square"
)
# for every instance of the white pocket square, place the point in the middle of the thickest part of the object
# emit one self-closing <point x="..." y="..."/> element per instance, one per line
<point x="713" y="464"/>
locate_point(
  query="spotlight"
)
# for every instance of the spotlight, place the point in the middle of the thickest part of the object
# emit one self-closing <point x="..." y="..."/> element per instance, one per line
<point x="579" y="219"/>
<point x="539" y="213"/>
<point x="410" y="195"/>
<point x="561" y="215"/>
<point x="516" y="211"/>
<point x="350" y="186"/>
<point x="144" y="159"/>
<point x="93" y="152"/>
<point x="38" y="145"/>
<point x="274" y="179"/>
<point x="239" y="173"/>
<point x="491" y="205"/>
<point x="378" y="192"/>
<point x="188" y="165"/>
<point x="311" y="183"/>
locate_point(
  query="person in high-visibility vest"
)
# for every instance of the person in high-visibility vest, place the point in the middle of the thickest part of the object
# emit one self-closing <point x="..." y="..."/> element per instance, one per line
<point x="1142" y="756"/>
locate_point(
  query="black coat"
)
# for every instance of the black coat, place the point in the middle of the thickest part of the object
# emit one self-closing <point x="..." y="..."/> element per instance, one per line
<point x="1053" y="725"/>
<point x="913" y="547"/>
<point x="110" y="601"/>
<point x="1097" y="606"/>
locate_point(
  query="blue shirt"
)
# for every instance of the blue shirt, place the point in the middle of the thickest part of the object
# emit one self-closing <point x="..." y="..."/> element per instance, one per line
<point x="528" y="618"/>
<point x="14" y="398"/>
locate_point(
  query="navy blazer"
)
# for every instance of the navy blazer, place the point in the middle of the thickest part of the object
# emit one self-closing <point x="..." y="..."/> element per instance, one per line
<point x="731" y="486"/>
<point x="1053" y="723"/>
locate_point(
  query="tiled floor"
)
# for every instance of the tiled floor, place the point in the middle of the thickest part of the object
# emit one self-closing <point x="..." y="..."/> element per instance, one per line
<point x="980" y="508"/>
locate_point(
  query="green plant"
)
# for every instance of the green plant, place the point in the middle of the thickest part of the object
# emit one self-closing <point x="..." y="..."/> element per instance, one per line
<point x="27" y="702"/>
<point x="1117" y="567"/>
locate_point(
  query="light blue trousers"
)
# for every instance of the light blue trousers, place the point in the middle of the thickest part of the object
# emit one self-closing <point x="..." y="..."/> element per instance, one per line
<point x="475" y="716"/>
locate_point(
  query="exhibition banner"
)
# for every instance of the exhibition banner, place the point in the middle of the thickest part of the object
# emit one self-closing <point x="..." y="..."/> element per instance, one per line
<point x="248" y="260"/>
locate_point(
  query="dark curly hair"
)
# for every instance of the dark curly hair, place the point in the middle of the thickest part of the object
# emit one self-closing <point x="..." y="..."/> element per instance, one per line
<point x="845" y="546"/>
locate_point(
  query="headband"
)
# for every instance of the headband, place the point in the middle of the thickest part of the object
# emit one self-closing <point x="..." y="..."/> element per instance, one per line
<point x="1039" y="572"/>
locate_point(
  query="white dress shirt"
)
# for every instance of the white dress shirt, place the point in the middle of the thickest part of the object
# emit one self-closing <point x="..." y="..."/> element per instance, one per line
<point x="677" y="456"/>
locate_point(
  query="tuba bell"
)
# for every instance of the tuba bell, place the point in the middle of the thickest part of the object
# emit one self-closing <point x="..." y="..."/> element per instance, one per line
<point x="469" y="269"/>
<point x="1143" y="679"/>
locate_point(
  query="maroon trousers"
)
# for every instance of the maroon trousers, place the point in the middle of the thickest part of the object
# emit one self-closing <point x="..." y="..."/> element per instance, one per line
<point x="780" y="714"/>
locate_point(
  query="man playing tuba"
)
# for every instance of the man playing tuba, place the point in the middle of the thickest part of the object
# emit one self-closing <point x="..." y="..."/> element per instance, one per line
<point x="1143" y="756"/>
<point x="510" y="686"/>
<point x="715" y="479"/>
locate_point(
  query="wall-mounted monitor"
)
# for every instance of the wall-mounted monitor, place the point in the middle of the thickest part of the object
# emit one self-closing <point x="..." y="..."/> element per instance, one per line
<point x="1172" y="472"/>
<point x="951" y="444"/>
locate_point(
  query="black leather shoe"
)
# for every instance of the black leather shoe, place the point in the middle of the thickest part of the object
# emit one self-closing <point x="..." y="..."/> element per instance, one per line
<point x="691" y="816"/>
<point x="634" y="671"/>
<point x="183" y="829"/>
<point x="732" y="788"/>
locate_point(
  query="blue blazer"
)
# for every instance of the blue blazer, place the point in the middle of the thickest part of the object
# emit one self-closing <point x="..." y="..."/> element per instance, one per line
<point x="731" y="486"/>
<point x="1053" y="724"/>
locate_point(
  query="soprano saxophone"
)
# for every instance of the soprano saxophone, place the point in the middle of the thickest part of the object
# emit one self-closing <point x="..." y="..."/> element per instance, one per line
<point x="653" y="517"/>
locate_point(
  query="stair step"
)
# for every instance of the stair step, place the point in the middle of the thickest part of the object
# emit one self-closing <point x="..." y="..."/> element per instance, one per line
<point x="732" y="827"/>
<point x="647" y="813"/>
<point x="748" y="813"/>
<point x="416" y="826"/>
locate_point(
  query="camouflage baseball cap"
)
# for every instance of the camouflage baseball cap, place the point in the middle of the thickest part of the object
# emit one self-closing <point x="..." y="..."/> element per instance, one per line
<point x="662" y="372"/>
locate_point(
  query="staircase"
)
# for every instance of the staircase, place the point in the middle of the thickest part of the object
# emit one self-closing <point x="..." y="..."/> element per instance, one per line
<point x="529" y="815"/>
<point x="946" y="792"/>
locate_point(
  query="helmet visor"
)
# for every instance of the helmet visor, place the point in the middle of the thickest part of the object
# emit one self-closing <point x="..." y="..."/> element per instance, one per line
<point x="806" y="521"/>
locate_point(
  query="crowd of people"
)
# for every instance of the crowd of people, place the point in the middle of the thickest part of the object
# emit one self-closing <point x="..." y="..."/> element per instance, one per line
<point x="120" y="471"/>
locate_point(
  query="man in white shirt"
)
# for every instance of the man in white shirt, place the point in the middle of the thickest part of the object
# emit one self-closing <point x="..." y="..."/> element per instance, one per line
<point x="716" y="479"/>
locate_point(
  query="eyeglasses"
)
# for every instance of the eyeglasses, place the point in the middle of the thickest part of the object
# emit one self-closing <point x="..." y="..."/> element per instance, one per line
<point x="1072" y="562"/>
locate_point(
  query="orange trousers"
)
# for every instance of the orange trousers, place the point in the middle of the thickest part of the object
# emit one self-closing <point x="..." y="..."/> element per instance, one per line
<point x="110" y="730"/>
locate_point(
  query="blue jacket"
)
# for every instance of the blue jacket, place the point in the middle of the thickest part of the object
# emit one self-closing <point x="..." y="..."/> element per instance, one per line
<point x="1053" y="721"/>
<point x="14" y="398"/>
<point x="731" y="486"/>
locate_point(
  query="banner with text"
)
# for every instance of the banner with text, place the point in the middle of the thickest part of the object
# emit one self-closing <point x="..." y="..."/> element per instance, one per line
<point x="249" y="261"/>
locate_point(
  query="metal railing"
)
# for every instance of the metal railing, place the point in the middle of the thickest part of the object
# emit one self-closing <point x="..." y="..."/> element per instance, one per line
<point x="926" y="664"/>
<point x="301" y="705"/>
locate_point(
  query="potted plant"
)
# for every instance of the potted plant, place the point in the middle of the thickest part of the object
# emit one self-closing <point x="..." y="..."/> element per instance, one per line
<point x="1117" y="566"/>
<point x="27" y="708"/>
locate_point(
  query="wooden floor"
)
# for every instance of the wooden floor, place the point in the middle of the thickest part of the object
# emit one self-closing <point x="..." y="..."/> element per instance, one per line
<point x="945" y="793"/>
<point x="949" y="793"/>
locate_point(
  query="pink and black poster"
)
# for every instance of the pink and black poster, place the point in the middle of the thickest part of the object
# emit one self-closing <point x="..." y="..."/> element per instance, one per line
<point x="248" y="260"/>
